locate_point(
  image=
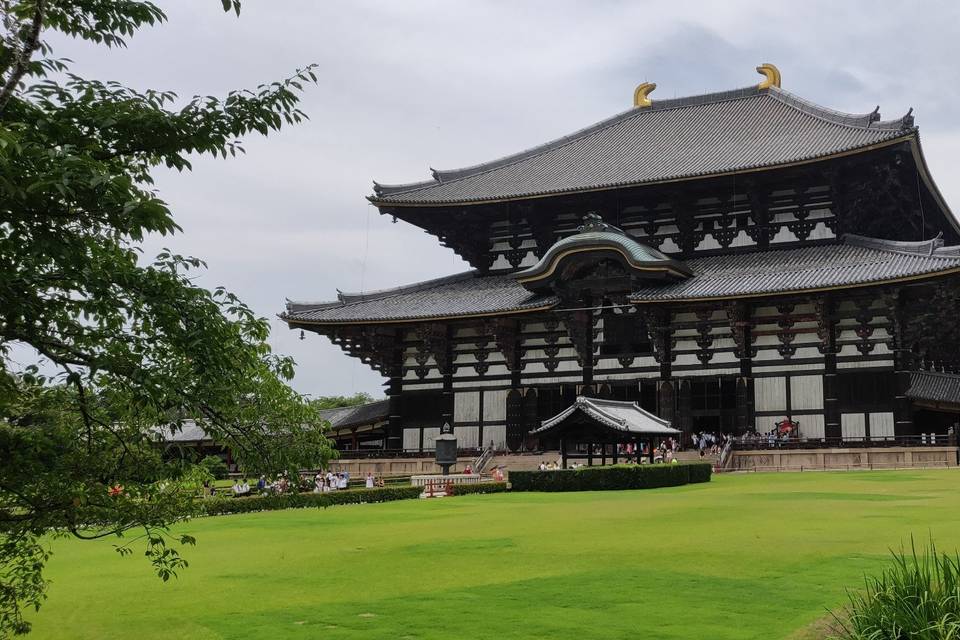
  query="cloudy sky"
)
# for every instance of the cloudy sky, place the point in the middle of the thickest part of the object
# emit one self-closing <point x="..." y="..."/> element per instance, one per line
<point x="408" y="85"/>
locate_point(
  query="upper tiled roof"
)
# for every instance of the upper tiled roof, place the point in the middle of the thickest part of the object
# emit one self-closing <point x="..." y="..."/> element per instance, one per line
<point x="856" y="261"/>
<point x="934" y="387"/>
<point x="739" y="130"/>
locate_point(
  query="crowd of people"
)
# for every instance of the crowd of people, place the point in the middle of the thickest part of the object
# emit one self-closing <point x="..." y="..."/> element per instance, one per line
<point x="282" y="484"/>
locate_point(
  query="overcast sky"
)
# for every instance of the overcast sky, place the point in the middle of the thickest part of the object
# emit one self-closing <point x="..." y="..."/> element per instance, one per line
<point x="408" y="85"/>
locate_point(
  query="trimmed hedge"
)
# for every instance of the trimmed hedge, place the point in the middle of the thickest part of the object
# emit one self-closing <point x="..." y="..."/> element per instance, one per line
<point x="221" y="506"/>
<point x="480" y="487"/>
<point x="624" y="476"/>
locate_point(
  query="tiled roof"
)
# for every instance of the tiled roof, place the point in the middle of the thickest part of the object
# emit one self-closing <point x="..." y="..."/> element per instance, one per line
<point x="718" y="133"/>
<point x="464" y="294"/>
<point x="189" y="431"/>
<point x="934" y="387"/>
<point x="613" y="414"/>
<point x="854" y="261"/>
<point x="356" y="416"/>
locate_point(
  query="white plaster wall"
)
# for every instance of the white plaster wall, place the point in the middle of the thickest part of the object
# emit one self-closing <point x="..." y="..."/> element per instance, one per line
<point x="495" y="405"/>
<point x="881" y="425"/>
<point x="770" y="394"/>
<point x="806" y="392"/>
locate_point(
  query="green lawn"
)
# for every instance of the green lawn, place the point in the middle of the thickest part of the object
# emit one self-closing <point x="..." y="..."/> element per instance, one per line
<point x="752" y="556"/>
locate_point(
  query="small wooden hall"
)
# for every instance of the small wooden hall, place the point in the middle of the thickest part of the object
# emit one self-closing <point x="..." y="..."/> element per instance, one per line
<point x="592" y="423"/>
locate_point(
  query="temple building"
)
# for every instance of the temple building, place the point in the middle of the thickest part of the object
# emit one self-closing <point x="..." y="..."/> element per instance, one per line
<point x="723" y="261"/>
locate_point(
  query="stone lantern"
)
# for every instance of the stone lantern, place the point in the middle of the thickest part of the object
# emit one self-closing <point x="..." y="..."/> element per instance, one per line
<point x="446" y="448"/>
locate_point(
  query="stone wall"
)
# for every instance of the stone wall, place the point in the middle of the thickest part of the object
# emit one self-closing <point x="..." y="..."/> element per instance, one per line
<point x="859" y="458"/>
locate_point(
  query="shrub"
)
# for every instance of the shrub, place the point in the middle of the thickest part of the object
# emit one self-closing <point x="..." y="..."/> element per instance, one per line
<point x="625" y="476"/>
<point x="220" y="506"/>
<point x="216" y="466"/>
<point x="481" y="487"/>
<point x="917" y="597"/>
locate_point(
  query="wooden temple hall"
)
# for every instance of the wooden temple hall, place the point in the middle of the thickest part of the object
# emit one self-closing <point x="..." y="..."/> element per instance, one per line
<point x="721" y="262"/>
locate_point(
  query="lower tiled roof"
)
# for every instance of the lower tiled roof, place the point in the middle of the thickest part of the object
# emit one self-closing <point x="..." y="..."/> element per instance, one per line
<point x="466" y="294"/>
<point x="934" y="387"/>
<point x="854" y="261"/>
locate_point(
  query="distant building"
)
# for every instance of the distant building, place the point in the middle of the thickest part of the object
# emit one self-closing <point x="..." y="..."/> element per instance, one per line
<point x="359" y="427"/>
<point x="725" y="260"/>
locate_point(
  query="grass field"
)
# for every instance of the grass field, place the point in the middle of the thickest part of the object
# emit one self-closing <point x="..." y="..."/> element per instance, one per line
<point x="753" y="556"/>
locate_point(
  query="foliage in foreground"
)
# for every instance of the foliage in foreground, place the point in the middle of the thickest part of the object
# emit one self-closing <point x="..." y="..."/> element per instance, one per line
<point x="99" y="346"/>
<point x="215" y="466"/>
<point x="335" y="402"/>
<point x="623" y="476"/>
<point x="917" y="597"/>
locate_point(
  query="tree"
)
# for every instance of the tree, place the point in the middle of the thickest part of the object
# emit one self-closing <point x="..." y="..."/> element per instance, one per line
<point x="122" y="345"/>
<point x="335" y="402"/>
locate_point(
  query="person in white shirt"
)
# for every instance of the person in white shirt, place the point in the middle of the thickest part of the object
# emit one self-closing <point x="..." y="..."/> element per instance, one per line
<point x="342" y="481"/>
<point x="369" y="480"/>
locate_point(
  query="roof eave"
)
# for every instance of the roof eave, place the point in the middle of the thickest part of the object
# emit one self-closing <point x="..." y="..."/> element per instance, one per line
<point x="408" y="204"/>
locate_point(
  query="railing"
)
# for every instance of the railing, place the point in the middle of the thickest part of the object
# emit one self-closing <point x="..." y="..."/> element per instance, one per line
<point x="726" y="455"/>
<point x="481" y="462"/>
<point x="363" y="454"/>
<point x="764" y="444"/>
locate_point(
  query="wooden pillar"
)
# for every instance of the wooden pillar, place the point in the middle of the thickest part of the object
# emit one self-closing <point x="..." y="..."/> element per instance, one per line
<point x="588" y="356"/>
<point x="563" y="453"/>
<point x="827" y="332"/>
<point x="446" y="370"/>
<point x="740" y="316"/>
<point x="902" y="363"/>
<point x="394" y="431"/>
<point x="685" y="407"/>
<point x="589" y="454"/>
<point x="616" y="446"/>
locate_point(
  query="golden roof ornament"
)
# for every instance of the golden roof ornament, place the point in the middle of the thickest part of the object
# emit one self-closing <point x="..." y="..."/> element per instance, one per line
<point x="641" y="95"/>
<point x="771" y="76"/>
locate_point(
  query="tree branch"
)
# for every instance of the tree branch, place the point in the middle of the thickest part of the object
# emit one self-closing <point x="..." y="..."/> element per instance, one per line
<point x="30" y="44"/>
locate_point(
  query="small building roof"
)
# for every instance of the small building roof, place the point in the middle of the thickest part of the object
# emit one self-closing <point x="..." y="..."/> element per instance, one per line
<point x="625" y="417"/>
<point x="188" y="431"/>
<point x="713" y="134"/>
<point x="357" y="416"/>
<point x="854" y="261"/>
<point x="934" y="387"/>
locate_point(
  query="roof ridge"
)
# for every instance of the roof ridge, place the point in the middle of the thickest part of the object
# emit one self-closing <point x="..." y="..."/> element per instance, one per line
<point x="842" y="118"/>
<point x="864" y="121"/>
<point x="345" y="298"/>
<point x="378" y="294"/>
<point x="932" y="248"/>
<point x="442" y="176"/>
